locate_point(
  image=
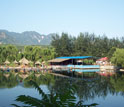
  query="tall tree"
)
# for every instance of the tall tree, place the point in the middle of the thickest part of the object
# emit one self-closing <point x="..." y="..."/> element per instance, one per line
<point x="62" y="45"/>
<point x="118" y="57"/>
<point x="11" y="52"/>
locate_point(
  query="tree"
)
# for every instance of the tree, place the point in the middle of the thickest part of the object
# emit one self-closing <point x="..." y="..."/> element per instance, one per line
<point x="28" y="52"/>
<point x="118" y="57"/>
<point x="63" y="45"/>
<point x="85" y="45"/>
<point x="48" y="53"/>
<point x="111" y="52"/>
<point x="9" y="52"/>
<point x="81" y="45"/>
<point x="36" y="53"/>
<point x="56" y="43"/>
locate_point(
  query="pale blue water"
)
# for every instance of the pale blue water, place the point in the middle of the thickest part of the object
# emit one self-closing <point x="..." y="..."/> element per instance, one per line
<point x="8" y="95"/>
<point x="109" y="101"/>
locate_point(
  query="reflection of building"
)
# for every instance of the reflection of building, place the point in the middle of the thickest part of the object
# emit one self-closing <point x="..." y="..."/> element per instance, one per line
<point x="107" y="73"/>
<point x="105" y="64"/>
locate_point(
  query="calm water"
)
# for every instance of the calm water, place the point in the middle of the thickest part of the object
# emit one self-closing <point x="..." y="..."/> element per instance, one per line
<point x="91" y="88"/>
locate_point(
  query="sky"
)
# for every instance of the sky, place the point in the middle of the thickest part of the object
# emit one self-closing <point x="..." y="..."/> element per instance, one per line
<point x="102" y="17"/>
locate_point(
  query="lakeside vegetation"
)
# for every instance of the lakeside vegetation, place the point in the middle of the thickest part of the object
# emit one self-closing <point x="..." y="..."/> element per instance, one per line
<point x="32" y="53"/>
<point x="84" y="44"/>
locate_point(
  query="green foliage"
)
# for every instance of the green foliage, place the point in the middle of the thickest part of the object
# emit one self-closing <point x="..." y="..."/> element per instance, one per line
<point x="63" y="45"/>
<point x="85" y="44"/>
<point x="35" y="53"/>
<point x="118" y="57"/>
<point x="32" y="53"/>
<point x="111" y="51"/>
<point x="8" y="52"/>
<point x="88" y="61"/>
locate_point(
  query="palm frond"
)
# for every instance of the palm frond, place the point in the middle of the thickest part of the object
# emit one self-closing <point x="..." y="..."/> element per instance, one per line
<point x="29" y="100"/>
<point x="15" y="105"/>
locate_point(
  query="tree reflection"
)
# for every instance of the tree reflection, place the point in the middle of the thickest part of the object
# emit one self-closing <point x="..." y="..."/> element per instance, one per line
<point x="85" y="88"/>
<point x="118" y="84"/>
<point x="8" y="80"/>
<point x="41" y="79"/>
<point x="67" y="99"/>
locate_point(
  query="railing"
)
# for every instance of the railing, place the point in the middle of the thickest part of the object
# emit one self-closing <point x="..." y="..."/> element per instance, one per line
<point x="86" y="70"/>
<point x="84" y="66"/>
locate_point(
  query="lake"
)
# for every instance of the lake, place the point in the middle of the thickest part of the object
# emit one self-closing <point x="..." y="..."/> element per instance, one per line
<point x="107" y="91"/>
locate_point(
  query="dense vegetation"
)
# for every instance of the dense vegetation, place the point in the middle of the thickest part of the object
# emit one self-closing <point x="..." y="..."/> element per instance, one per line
<point x="118" y="57"/>
<point x="32" y="53"/>
<point x="85" y="45"/>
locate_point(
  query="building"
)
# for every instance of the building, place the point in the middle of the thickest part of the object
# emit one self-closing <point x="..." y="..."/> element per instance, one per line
<point x="76" y="62"/>
<point x="73" y="60"/>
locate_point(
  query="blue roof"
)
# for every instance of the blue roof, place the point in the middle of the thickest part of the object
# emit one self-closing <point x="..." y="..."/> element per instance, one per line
<point x="75" y="57"/>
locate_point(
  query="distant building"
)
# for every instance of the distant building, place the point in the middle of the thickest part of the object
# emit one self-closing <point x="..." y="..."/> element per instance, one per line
<point x="73" y="60"/>
<point x="102" y="61"/>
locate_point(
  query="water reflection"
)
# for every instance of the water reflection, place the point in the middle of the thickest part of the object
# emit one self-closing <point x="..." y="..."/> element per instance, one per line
<point x="8" y="80"/>
<point x="90" y="86"/>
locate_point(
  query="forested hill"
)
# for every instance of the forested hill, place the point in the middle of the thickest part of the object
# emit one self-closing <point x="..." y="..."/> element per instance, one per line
<point x="86" y="45"/>
<point x="24" y="38"/>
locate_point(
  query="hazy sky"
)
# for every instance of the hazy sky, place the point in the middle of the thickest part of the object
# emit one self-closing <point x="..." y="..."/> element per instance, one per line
<point x="56" y="16"/>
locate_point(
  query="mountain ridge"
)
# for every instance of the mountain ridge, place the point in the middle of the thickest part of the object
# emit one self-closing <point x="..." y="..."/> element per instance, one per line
<point x="25" y="38"/>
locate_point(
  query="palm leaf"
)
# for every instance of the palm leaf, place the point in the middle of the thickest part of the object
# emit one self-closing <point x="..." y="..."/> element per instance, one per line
<point x="15" y="105"/>
<point x="19" y="106"/>
<point x="30" y="100"/>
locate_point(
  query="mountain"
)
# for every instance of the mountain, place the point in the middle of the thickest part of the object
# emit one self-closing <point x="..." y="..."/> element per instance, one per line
<point x="25" y="38"/>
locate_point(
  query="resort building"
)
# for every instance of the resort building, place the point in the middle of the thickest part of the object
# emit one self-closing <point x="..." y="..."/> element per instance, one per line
<point x="73" y="60"/>
<point x="77" y="62"/>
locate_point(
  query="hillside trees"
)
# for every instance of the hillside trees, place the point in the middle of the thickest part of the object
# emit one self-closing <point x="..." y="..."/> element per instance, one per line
<point x="63" y="45"/>
<point x="85" y="44"/>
